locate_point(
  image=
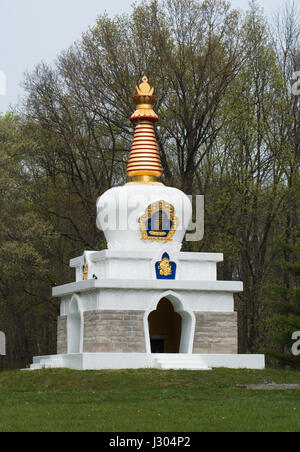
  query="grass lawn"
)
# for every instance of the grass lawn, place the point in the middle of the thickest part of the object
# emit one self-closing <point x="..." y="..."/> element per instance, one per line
<point x="146" y="400"/>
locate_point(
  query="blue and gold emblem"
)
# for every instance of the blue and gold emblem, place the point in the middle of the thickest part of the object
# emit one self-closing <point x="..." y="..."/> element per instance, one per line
<point x="84" y="269"/>
<point x="158" y="222"/>
<point x="165" y="269"/>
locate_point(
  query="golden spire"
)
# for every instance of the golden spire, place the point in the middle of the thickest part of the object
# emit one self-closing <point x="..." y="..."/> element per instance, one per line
<point x="144" y="165"/>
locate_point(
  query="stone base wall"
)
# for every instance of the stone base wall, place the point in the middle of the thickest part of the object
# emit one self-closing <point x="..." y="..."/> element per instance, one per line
<point x="114" y="332"/>
<point x="62" y="341"/>
<point x="216" y="332"/>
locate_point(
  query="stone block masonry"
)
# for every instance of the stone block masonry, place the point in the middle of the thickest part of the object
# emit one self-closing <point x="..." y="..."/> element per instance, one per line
<point x="216" y="332"/>
<point x="114" y="331"/>
<point x="62" y="340"/>
<point x="118" y="331"/>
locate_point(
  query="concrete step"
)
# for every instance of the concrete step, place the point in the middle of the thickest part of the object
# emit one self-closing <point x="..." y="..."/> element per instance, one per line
<point x="34" y="367"/>
<point x="184" y="367"/>
<point x="46" y="363"/>
<point x="181" y="362"/>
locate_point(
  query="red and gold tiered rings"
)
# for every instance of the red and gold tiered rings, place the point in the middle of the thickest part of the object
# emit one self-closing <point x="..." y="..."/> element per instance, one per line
<point x="144" y="165"/>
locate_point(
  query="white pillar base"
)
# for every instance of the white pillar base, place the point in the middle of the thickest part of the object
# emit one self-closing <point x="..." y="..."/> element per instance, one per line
<point x="96" y="361"/>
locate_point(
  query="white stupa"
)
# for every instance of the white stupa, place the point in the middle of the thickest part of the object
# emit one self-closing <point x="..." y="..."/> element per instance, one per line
<point x="142" y="302"/>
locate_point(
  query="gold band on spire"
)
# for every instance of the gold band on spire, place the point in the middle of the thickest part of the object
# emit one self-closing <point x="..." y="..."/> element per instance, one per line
<point x="144" y="165"/>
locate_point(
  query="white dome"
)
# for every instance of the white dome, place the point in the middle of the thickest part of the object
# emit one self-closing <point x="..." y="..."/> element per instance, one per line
<point x="144" y="217"/>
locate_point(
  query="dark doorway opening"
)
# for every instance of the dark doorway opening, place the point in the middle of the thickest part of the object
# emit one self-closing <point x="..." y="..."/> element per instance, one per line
<point x="157" y="345"/>
<point x="164" y="328"/>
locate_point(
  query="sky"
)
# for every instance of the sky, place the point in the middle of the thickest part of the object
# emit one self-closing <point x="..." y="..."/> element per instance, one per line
<point x="32" y="31"/>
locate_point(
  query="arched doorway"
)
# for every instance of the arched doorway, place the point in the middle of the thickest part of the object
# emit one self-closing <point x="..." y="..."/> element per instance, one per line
<point x="74" y="328"/>
<point x="165" y="328"/>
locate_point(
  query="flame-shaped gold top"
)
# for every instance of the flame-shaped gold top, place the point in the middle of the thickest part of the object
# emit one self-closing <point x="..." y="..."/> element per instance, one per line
<point x="144" y="165"/>
<point x="144" y="88"/>
<point x="144" y="102"/>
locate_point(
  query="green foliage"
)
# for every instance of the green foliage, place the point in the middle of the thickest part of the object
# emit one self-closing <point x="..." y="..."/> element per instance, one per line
<point x="285" y="308"/>
<point x="26" y="244"/>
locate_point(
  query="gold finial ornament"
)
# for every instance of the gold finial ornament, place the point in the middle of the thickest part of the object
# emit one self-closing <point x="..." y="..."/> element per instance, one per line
<point x="144" y="165"/>
<point x="144" y="88"/>
<point x="144" y="102"/>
